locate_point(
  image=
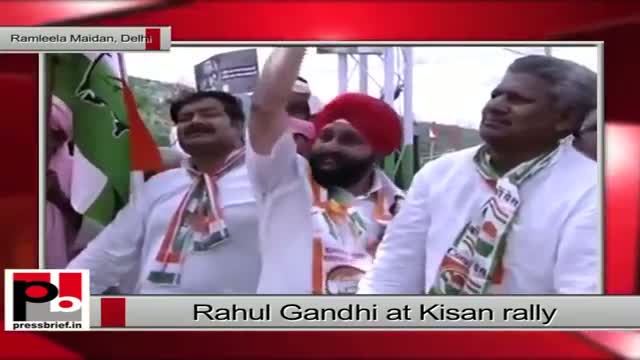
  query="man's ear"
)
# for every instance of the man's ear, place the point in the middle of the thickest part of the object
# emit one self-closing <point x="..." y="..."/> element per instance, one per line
<point x="568" y="122"/>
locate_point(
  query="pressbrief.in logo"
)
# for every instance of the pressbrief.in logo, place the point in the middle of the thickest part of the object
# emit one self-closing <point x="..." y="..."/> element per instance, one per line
<point x="55" y="300"/>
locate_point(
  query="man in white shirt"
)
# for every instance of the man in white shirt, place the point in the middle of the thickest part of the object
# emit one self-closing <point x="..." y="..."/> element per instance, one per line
<point x="320" y="221"/>
<point x="192" y="229"/>
<point x="517" y="215"/>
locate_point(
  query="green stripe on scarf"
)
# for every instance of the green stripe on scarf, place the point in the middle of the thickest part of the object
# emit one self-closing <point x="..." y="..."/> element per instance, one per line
<point x="464" y="271"/>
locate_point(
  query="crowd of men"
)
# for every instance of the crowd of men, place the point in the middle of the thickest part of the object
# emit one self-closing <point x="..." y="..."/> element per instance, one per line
<point x="283" y="201"/>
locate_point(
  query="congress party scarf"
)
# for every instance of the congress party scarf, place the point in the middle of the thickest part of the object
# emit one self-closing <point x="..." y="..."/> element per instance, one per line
<point x="475" y="260"/>
<point x="343" y="245"/>
<point x="196" y="227"/>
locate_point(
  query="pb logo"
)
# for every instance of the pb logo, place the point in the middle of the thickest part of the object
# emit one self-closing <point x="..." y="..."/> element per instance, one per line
<point x="47" y="300"/>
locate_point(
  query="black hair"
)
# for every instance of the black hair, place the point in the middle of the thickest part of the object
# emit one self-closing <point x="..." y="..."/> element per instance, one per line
<point x="232" y="105"/>
<point x="573" y="86"/>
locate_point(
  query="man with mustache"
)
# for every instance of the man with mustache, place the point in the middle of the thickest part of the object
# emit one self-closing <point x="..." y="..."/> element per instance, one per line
<point x="321" y="220"/>
<point x="191" y="229"/>
<point x="516" y="215"/>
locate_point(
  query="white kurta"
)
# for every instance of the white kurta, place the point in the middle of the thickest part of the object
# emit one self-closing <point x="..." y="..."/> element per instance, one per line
<point x="132" y="240"/>
<point x="284" y="197"/>
<point x="554" y="246"/>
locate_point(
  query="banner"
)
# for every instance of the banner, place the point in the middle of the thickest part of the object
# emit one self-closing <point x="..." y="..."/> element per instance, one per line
<point x="111" y="141"/>
<point x="235" y="72"/>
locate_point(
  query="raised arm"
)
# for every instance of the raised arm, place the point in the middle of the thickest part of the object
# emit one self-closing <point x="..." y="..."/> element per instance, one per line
<point x="268" y="120"/>
<point x="272" y="160"/>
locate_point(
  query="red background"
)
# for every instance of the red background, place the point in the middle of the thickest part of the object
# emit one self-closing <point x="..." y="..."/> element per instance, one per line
<point x="617" y="23"/>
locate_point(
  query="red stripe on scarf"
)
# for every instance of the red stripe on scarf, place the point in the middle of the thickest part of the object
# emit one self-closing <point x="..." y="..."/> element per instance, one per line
<point x="166" y="255"/>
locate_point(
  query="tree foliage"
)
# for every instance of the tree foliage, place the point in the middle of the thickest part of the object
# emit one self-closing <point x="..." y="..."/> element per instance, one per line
<point x="154" y="99"/>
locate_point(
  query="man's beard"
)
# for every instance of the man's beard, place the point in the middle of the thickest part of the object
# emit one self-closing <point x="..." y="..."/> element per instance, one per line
<point x="347" y="172"/>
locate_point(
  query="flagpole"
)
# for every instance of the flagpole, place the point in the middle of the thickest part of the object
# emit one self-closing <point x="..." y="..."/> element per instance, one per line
<point x="123" y="68"/>
<point x="136" y="178"/>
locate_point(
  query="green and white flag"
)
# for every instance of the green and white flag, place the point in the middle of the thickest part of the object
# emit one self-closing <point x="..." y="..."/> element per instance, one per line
<point x="112" y="145"/>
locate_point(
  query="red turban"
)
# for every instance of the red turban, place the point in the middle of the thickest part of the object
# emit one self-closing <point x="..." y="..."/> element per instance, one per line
<point x="373" y="118"/>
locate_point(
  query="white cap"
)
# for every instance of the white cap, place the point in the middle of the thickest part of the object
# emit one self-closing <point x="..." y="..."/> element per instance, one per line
<point x="301" y="87"/>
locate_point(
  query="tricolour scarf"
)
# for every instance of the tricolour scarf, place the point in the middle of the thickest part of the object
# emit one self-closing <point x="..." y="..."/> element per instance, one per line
<point x="197" y="225"/>
<point x="343" y="247"/>
<point x="474" y="262"/>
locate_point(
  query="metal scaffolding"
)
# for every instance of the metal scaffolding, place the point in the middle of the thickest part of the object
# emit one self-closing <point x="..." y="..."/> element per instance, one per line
<point x="396" y="85"/>
<point x="396" y="88"/>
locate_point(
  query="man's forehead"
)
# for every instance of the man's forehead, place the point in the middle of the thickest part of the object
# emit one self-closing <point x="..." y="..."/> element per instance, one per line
<point x="296" y="97"/>
<point x="341" y="125"/>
